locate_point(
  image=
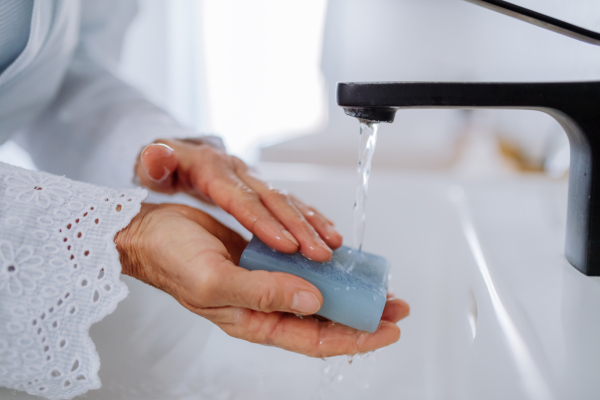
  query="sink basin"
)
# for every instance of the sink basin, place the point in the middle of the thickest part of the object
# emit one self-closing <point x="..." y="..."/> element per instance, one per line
<point x="496" y="310"/>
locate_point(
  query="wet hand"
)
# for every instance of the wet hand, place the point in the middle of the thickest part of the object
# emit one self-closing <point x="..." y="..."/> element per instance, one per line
<point x="194" y="258"/>
<point x="200" y="169"/>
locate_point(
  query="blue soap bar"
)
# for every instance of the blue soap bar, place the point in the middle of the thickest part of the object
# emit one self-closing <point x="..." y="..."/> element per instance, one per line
<point x="353" y="284"/>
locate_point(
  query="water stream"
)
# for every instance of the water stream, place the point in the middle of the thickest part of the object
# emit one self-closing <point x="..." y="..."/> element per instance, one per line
<point x="343" y="379"/>
<point x="368" y="141"/>
<point x="332" y="373"/>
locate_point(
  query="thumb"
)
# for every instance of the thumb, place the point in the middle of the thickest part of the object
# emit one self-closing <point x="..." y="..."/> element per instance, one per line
<point x="267" y="291"/>
<point x="156" y="166"/>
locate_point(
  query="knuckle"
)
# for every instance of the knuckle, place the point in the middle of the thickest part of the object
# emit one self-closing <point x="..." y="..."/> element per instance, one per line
<point x="249" y="193"/>
<point x="245" y="207"/>
<point x="266" y="299"/>
<point x="238" y="165"/>
<point x="207" y="180"/>
<point x="247" y="196"/>
<point x="278" y="195"/>
<point x="244" y="202"/>
<point x="210" y="155"/>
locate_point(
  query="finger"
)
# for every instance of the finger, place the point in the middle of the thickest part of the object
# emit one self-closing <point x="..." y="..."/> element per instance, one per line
<point x="395" y="310"/>
<point x="307" y="335"/>
<point x="278" y="203"/>
<point x="236" y="198"/>
<point x="211" y="175"/>
<point x="295" y="199"/>
<point x="155" y="167"/>
<point x="229" y="285"/>
<point x="321" y="224"/>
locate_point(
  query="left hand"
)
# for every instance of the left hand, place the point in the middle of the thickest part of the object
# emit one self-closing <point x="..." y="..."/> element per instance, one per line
<point x="194" y="258"/>
<point x="208" y="173"/>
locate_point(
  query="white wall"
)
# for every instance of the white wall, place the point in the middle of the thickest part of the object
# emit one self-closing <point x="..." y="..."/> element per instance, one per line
<point x="262" y="69"/>
<point x="224" y="66"/>
<point x="162" y="57"/>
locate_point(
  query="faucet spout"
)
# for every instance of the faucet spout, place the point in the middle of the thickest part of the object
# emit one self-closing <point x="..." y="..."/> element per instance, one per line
<point x="575" y="105"/>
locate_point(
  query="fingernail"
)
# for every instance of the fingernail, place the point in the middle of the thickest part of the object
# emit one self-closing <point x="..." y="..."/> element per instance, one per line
<point x="320" y="243"/>
<point x="160" y="150"/>
<point x="290" y="237"/>
<point x="165" y="175"/>
<point x="330" y="231"/>
<point x="305" y="303"/>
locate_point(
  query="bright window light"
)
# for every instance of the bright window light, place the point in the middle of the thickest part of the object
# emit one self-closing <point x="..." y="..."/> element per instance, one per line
<point x="262" y="69"/>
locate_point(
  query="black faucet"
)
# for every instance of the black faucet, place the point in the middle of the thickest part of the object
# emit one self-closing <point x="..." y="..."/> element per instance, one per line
<point x="575" y="105"/>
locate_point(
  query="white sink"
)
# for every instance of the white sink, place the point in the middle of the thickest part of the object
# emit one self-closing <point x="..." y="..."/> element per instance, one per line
<point x="496" y="310"/>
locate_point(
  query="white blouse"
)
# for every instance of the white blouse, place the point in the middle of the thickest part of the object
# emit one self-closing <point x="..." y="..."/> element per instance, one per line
<point x="15" y="21"/>
<point x="59" y="268"/>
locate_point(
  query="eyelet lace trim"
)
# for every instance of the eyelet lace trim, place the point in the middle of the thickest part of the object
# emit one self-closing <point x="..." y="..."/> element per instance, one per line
<point x="59" y="274"/>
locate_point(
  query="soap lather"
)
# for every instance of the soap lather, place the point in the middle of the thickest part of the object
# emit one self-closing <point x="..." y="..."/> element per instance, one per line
<point x="353" y="284"/>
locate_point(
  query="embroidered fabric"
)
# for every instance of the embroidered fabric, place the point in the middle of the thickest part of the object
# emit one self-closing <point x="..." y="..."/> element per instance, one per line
<point x="59" y="273"/>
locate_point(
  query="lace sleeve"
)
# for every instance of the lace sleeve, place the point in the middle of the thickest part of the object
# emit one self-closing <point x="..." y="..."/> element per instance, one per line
<point x="59" y="273"/>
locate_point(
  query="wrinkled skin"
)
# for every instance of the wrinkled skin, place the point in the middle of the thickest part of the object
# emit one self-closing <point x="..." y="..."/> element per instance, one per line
<point x="188" y="254"/>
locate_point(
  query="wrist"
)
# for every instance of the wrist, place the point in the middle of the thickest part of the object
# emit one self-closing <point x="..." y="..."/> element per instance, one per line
<point x="129" y="242"/>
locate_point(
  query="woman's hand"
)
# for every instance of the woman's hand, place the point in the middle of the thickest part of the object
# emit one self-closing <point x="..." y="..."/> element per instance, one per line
<point x="194" y="258"/>
<point x="200" y="169"/>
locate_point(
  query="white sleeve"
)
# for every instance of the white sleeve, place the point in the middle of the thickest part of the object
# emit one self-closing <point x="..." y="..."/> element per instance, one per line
<point x="59" y="273"/>
<point x="98" y="124"/>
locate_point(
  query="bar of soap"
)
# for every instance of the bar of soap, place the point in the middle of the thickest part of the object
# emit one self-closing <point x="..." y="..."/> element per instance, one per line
<point x="353" y="284"/>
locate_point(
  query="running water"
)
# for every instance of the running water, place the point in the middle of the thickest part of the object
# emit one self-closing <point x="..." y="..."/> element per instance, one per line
<point x="368" y="140"/>
<point x="338" y="380"/>
<point x="332" y="373"/>
<point x="331" y="377"/>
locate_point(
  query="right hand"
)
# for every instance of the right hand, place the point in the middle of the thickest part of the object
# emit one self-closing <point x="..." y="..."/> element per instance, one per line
<point x="194" y="258"/>
<point x="281" y="221"/>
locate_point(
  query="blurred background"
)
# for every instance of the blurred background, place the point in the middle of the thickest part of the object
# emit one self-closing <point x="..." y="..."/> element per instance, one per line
<point x="262" y="74"/>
